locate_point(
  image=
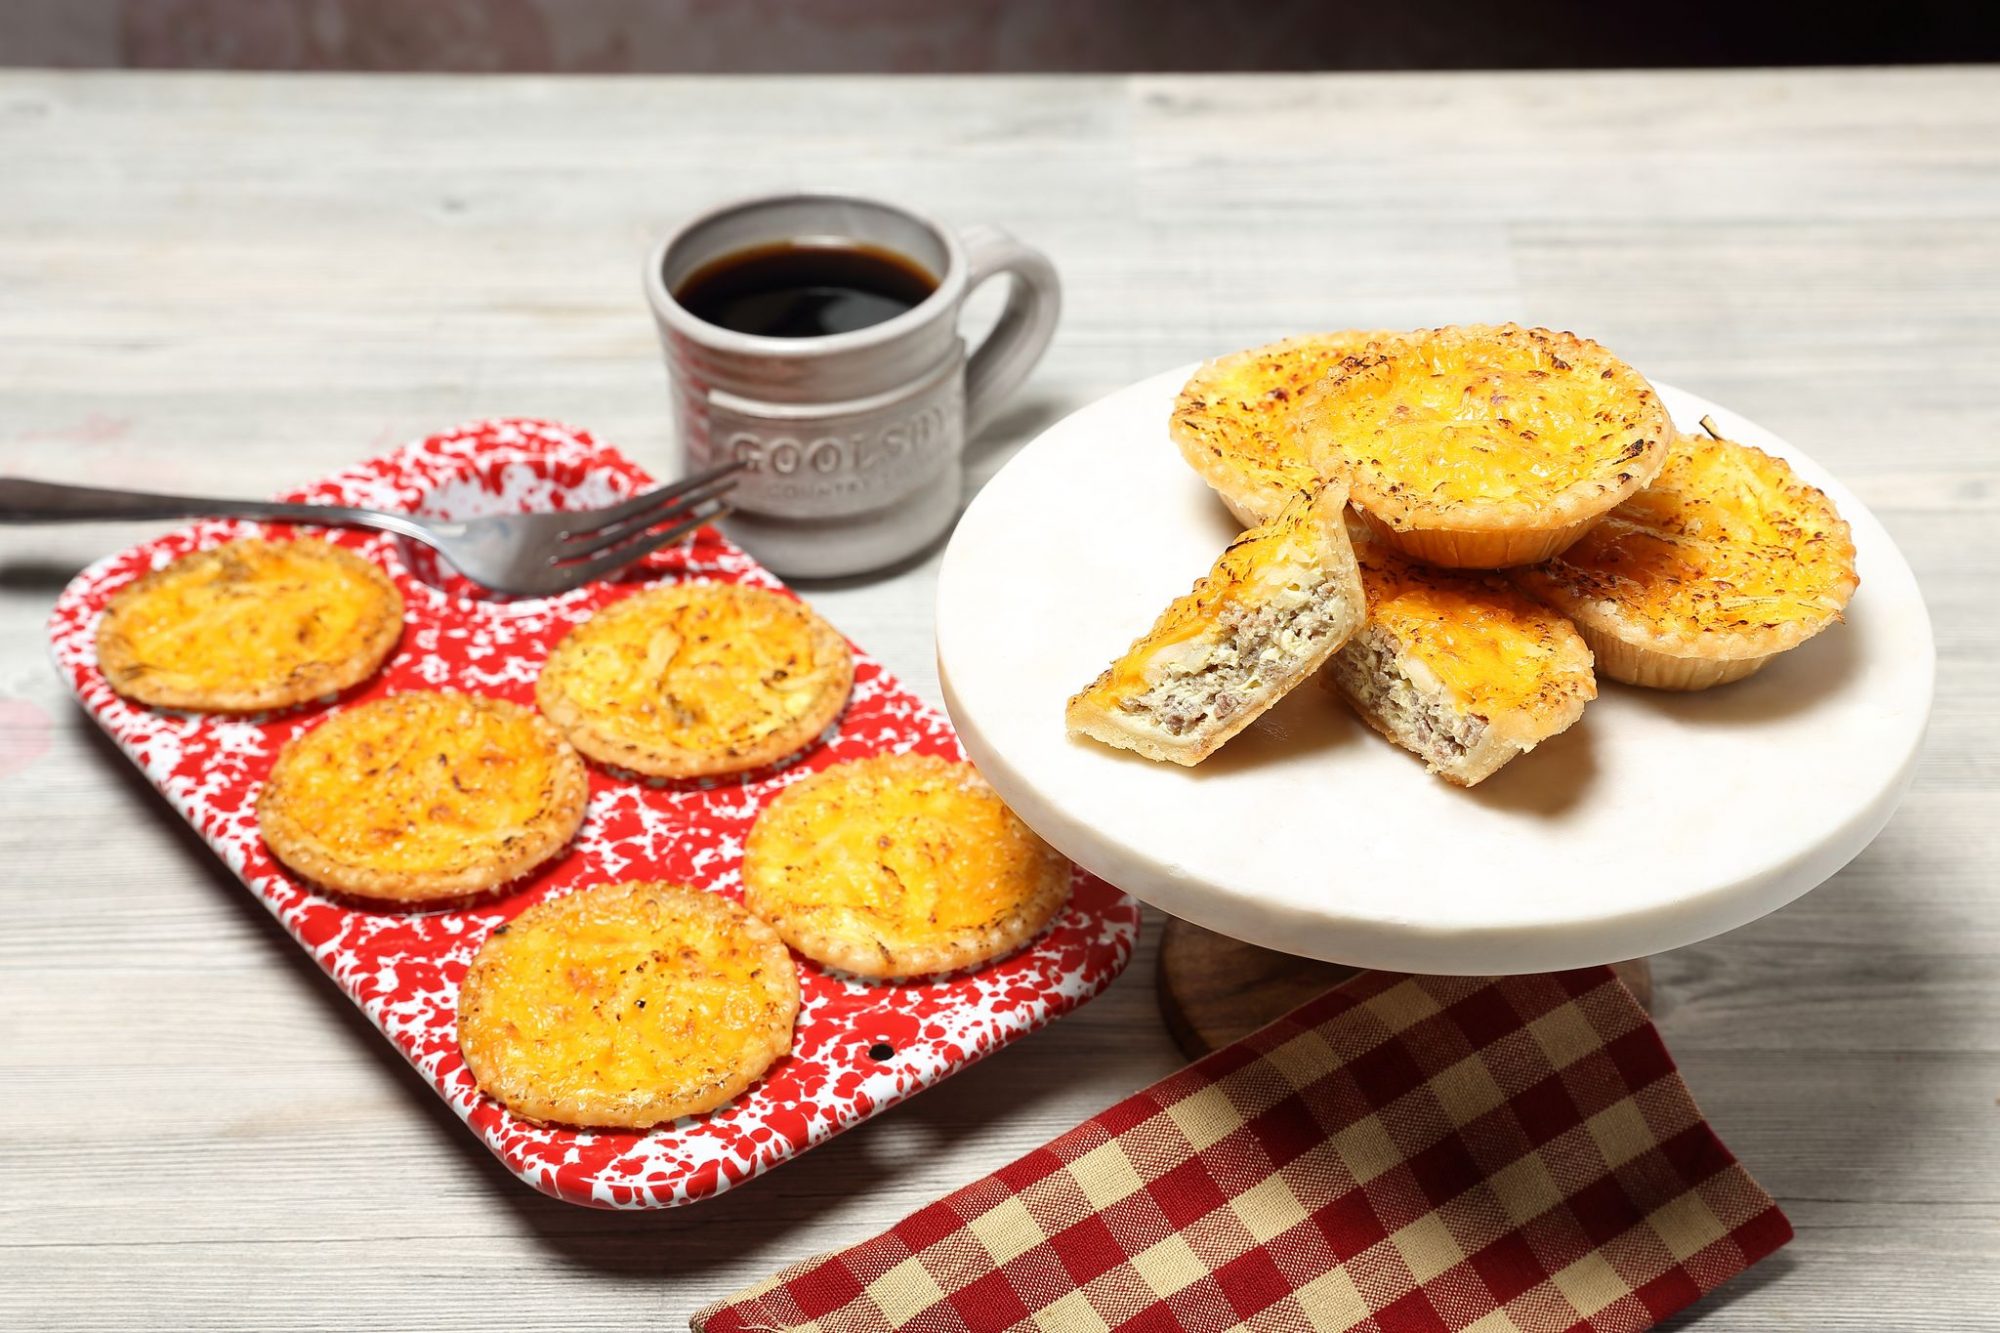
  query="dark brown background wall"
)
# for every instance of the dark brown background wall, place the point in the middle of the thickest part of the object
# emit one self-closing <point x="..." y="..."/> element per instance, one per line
<point x="978" y="35"/>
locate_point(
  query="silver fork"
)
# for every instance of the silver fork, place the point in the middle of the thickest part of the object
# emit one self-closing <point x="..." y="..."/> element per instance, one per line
<point x="519" y="555"/>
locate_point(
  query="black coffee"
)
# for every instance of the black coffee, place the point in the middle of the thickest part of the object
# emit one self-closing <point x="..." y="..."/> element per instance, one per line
<point x="804" y="289"/>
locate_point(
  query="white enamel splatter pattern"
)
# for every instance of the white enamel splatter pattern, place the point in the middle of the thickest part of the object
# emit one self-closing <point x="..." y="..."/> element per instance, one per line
<point x="403" y="968"/>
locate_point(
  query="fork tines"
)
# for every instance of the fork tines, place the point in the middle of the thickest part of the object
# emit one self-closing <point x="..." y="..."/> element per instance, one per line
<point x="608" y="539"/>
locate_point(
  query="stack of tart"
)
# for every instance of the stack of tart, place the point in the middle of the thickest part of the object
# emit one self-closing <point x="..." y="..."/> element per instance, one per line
<point x="1457" y="530"/>
<point x="619" y="1005"/>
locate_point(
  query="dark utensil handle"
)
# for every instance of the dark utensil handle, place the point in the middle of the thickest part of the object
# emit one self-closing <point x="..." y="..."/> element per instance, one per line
<point x="26" y="501"/>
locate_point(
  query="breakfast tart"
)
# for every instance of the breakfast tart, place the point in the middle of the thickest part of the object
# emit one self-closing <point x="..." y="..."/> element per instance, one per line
<point x="1280" y="601"/>
<point x="1456" y="667"/>
<point x="249" y="625"/>
<point x="1725" y="561"/>
<point x="696" y="679"/>
<point x="1234" y="420"/>
<point x="1485" y="446"/>
<point x="900" y="865"/>
<point x="626" y="1005"/>
<point x="423" y="797"/>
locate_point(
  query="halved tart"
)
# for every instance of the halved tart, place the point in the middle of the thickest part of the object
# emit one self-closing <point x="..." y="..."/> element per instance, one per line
<point x="1276" y="605"/>
<point x="1234" y="420"/>
<point x="1483" y="446"/>
<point x="1458" y="668"/>
<point x="1725" y="561"/>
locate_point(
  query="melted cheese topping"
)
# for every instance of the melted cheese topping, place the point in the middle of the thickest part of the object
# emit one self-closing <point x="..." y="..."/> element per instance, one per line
<point x="627" y="1004"/>
<point x="1726" y="540"/>
<point x="1485" y="415"/>
<point x="1276" y="564"/>
<point x="898" y="864"/>
<point x="251" y="624"/>
<point x="428" y="783"/>
<point x="1493" y="650"/>
<point x="716" y="668"/>
<point x="1235" y="417"/>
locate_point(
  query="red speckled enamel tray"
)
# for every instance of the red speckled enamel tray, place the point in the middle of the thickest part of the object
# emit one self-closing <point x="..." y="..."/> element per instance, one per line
<point x="403" y="968"/>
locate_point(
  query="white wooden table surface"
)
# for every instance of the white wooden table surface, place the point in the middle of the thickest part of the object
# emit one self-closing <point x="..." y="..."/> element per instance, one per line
<point x="237" y="283"/>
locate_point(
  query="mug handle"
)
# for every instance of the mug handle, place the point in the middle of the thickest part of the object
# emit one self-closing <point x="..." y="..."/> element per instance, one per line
<point x="1026" y="324"/>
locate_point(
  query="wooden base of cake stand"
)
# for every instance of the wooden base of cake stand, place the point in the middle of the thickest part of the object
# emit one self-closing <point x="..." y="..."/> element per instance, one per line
<point x="1214" y="989"/>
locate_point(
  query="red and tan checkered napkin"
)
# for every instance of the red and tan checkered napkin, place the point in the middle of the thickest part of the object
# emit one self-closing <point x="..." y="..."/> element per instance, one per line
<point x="1403" y="1153"/>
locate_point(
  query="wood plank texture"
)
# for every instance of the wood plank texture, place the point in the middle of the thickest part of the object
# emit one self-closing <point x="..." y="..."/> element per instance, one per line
<point x="235" y="283"/>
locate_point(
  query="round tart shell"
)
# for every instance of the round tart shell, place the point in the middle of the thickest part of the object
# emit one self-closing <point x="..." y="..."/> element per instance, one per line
<point x="1500" y="653"/>
<point x="697" y="679"/>
<point x="1727" y="560"/>
<point x="900" y="865"/>
<point x="248" y="626"/>
<point x="423" y="797"/>
<point x="626" y="1005"/>
<point x="1579" y="413"/>
<point x="1235" y="419"/>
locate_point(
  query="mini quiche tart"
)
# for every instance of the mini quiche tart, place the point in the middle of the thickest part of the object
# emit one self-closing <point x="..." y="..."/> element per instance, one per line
<point x="900" y="865"/>
<point x="1726" y="560"/>
<point x="423" y="797"/>
<point x="1234" y="420"/>
<point x="249" y="625"/>
<point x="1458" y="668"/>
<point x="1482" y="447"/>
<point x="1276" y="605"/>
<point x="697" y="679"/>
<point x="626" y="1005"/>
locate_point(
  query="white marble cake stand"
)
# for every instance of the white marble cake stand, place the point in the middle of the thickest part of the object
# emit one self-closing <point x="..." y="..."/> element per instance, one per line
<point x="1656" y="821"/>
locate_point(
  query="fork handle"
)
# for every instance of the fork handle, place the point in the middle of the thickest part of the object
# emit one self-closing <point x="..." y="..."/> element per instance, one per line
<point x="25" y="501"/>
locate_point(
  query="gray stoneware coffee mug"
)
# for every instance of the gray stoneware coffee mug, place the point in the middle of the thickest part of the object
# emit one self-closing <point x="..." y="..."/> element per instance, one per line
<point x="854" y="439"/>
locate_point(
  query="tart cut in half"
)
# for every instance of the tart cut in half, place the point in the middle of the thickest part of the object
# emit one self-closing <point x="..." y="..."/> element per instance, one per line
<point x="1234" y="419"/>
<point x="1481" y="447"/>
<point x="1280" y="601"/>
<point x="1725" y="561"/>
<point x="1458" y="668"/>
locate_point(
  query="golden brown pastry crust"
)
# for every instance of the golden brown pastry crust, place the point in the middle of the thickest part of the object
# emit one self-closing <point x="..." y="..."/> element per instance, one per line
<point x="626" y="1005"/>
<point x="423" y="797"/>
<point x="1501" y="670"/>
<point x="900" y="865"/>
<point x="1235" y="419"/>
<point x="1726" y="560"/>
<point x="1277" y="603"/>
<point x="249" y="625"/>
<point x="1486" y="446"/>
<point x="697" y="679"/>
